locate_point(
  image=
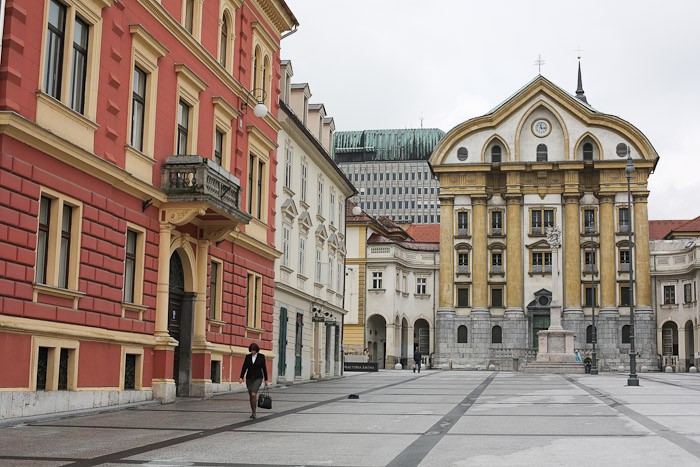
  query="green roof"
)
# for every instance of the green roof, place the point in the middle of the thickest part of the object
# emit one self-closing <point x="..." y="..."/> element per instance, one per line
<point x="386" y="145"/>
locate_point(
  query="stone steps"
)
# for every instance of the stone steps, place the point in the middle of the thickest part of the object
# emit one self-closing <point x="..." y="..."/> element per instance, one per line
<point x="556" y="368"/>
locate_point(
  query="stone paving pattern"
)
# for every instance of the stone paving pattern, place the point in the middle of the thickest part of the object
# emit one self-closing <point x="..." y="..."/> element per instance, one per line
<point x="435" y="418"/>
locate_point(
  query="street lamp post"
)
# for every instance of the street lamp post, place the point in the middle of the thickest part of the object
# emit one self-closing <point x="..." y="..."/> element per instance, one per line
<point x="594" y="331"/>
<point x="632" y="380"/>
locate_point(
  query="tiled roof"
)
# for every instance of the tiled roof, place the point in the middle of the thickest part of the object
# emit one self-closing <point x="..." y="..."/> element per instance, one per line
<point x="428" y="233"/>
<point x="659" y="230"/>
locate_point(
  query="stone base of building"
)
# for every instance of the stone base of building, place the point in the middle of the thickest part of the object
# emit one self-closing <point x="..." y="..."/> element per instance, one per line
<point x="557" y="368"/>
<point x="164" y="390"/>
<point x="518" y="346"/>
<point x="17" y="404"/>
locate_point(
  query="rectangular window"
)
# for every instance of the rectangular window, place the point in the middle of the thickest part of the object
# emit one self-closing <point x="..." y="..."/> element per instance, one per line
<point x="421" y="285"/>
<point x="320" y="197"/>
<point x="254" y="304"/>
<point x="251" y="177"/>
<point x="54" y="49"/>
<point x="304" y="174"/>
<point x="42" y="249"/>
<point x="496" y="297"/>
<point x="687" y="293"/>
<point x="183" y="123"/>
<point x="318" y="266"/>
<point x="536" y="222"/>
<point x="462" y="223"/>
<point x="64" y="257"/>
<point x="79" y="67"/>
<point x="590" y="299"/>
<point x="669" y="294"/>
<point x="496" y="262"/>
<point x="589" y="261"/>
<point x="259" y="198"/>
<point x="130" y="371"/>
<point x="288" y="166"/>
<point x="463" y="263"/>
<point x="624" y="296"/>
<point x="189" y="15"/>
<point x="130" y="266"/>
<point x="285" y="246"/>
<point x="218" y="146"/>
<point x="540" y="219"/>
<point x="214" y="290"/>
<point x="462" y="297"/>
<point x="589" y="221"/>
<point x="332" y="208"/>
<point x="302" y="255"/>
<point x="497" y="222"/>
<point x="624" y="260"/>
<point x="138" y="108"/>
<point x="377" y="280"/>
<point x="330" y="273"/>
<point x="624" y="219"/>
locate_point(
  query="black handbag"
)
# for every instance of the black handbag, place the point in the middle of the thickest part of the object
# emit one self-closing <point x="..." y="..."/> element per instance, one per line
<point x="264" y="399"/>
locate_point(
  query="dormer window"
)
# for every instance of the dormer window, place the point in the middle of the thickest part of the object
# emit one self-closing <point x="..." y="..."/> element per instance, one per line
<point x="541" y="153"/>
<point x="587" y="152"/>
<point x="496" y="154"/>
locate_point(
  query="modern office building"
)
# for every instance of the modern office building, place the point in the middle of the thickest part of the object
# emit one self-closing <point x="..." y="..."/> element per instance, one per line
<point x="391" y="172"/>
<point x="543" y="159"/>
<point x="137" y="198"/>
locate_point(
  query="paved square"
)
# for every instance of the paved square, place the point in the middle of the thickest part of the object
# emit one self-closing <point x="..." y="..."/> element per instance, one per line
<point x="435" y="418"/>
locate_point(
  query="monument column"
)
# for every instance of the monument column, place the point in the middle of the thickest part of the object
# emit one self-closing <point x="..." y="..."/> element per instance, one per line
<point x="607" y="250"/>
<point x="447" y="261"/>
<point x="572" y="255"/>
<point x="642" y="274"/>
<point x="480" y="264"/>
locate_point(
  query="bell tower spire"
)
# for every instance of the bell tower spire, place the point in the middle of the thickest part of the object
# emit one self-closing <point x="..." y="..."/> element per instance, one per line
<point x="580" y="95"/>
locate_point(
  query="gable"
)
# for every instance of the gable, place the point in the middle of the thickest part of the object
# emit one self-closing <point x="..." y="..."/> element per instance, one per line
<point x="540" y="114"/>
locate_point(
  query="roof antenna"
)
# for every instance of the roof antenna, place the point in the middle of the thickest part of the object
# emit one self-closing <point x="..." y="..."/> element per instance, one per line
<point x="421" y="120"/>
<point x="580" y="95"/>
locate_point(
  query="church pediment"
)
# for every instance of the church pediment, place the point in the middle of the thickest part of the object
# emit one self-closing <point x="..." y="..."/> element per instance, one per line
<point x="541" y="123"/>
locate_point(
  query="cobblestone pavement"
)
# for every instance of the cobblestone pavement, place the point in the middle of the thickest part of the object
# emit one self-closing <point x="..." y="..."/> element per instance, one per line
<point x="435" y="418"/>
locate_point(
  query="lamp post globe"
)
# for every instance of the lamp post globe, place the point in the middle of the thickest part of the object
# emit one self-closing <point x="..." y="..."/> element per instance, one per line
<point x="260" y="110"/>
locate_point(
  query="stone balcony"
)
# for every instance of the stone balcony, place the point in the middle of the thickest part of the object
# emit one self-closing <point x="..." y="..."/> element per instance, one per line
<point x="195" y="179"/>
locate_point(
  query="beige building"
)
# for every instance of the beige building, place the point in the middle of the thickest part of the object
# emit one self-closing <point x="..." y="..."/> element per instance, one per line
<point x="310" y="233"/>
<point x="543" y="158"/>
<point x="675" y="272"/>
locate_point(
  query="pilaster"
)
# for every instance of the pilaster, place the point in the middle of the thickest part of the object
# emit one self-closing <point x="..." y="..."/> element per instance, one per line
<point x="572" y="253"/>
<point x="447" y="275"/>
<point x="641" y="270"/>
<point x="514" y="254"/>
<point x="607" y="250"/>
<point x="480" y="265"/>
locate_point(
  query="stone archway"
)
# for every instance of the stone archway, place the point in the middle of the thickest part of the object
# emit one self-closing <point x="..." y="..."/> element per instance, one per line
<point x="689" y="345"/>
<point x="421" y="336"/>
<point x="669" y="339"/>
<point x="406" y="353"/>
<point x="181" y="321"/>
<point x="376" y="340"/>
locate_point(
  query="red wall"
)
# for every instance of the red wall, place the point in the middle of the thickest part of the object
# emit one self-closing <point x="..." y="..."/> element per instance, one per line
<point x="97" y="364"/>
<point x="15" y="355"/>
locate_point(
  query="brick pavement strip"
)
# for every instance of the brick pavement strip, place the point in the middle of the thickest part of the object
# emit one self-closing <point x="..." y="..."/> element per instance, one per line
<point x="401" y="419"/>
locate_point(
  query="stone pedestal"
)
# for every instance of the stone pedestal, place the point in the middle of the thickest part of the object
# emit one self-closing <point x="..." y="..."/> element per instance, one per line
<point x="556" y="346"/>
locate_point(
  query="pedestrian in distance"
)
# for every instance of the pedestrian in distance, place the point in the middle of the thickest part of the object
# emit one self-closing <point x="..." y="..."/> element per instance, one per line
<point x="417" y="358"/>
<point x="578" y="357"/>
<point x="588" y="363"/>
<point x="254" y="370"/>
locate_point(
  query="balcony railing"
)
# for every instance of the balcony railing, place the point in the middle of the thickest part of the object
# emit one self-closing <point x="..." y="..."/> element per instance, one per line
<point x="197" y="179"/>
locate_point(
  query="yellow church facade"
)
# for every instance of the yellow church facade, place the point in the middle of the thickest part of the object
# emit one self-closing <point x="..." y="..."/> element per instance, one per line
<point x="542" y="159"/>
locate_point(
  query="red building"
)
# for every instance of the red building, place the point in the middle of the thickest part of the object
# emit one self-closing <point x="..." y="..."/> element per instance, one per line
<point x="136" y="197"/>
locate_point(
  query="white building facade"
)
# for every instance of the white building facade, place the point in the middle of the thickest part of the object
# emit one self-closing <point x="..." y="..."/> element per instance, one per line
<point x="310" y="233"/>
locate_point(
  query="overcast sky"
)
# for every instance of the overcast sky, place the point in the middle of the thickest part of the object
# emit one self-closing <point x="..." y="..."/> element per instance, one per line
<point x="388" y="63"/>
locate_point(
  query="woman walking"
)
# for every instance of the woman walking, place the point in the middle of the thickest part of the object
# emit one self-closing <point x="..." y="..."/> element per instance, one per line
<point x="254" y="365"/>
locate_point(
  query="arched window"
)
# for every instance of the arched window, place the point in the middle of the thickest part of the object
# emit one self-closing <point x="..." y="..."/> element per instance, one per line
<point x="496" y="335"/>
<point x="462" y="334"/>
<point x="590" y="334"/>
<point x="223" y="46"/>
<point x="587" y="152"/>
<point x="266" y="80"/>
<point x="626" y="334"/>
<point x="496" y="153"/>
<point x="541" y="153"/>
<point x="256" y="64"/>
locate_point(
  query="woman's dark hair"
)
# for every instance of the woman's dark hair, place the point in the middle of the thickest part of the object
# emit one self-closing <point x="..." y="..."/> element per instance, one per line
<point x="253" y="346"/>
